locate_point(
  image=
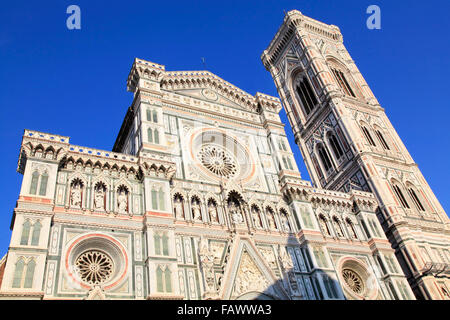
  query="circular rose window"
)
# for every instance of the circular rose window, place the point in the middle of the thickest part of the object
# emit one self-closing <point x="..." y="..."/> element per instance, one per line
<point x="94" y="267"/>
<point x="353" y="281"/>
<point x="219" y="155"/>
<point x="218" y="161"/>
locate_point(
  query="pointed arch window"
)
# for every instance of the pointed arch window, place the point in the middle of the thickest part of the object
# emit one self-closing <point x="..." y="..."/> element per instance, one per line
<point x="367" y="135"/>
<point x="43" y="185"/>
<point x="18" y="272"/>
<point x="400" y="196"/>
<point x="306" y="95"/>
<point x="162" y="201"/>
<point x="24" y="273"/>
<point x="39" y="182"/>
<point x="26" y="228"/>
<point x="150" y="135"/>
<point x="163" y="279"/>
<point x="342" y="81"/>
<point x="335" y="145"/>
<point x="382" y="140"/>
<point x="34" y="182"/>
<point x="156" y="136"/>
<point x="415" y="199"/>
<point x="323" y="155"/>
<point x="29" y="274"/>
<point x="154" y="199"/>
<point x="36" y="233"/>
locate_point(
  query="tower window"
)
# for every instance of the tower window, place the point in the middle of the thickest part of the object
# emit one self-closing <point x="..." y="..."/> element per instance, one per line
<point x="416" y="199"/>
<point x="342" y="81"/>
<point x="335" y="146"/>
<point x="381" y="138"/>
<point x="367" y="135"/>
<point x="400" y="196"/>
<point x="324" y="158"/>
<point x="306" y="95"/>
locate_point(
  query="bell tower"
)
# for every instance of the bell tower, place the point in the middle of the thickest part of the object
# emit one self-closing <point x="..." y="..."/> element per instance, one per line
<point x="348" y="143"/>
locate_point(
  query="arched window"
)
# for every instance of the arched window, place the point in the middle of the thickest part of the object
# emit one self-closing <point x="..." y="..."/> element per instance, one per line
<point x="154" y="199"/>
<point x="382" y="140"/>
<point x="26" y="227"/>
<point x="159" y="279"/>
<point x="415" y="198"/>
<point x="317" y="167"/>
<point x="165" y="244"/>
<point x="36" y="233"/>
<point x="342" y="81"/>
<point x="149" y="115"/>
<point x="323" y="155"/>
<point x="34" y="182"/>
<point x="157" y="242"/>
<point x="306" y="95"/>
<point x="43" y="186"/>
<point x="162" y="202"/>
<point x="29" y="274"/>
<point x="163" y="279"/>
<point x="399" y="194"/>
<point x="18" y="272"/>
<point x="150" y="135"/>
<point x="156" y="136"/>
<point x="155" y="116"/>
<point x="335" y="145"/>
<point x="367" y="135"/>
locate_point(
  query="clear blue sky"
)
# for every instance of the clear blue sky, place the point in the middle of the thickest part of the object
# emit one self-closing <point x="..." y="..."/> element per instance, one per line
<point x="73" y="83"/>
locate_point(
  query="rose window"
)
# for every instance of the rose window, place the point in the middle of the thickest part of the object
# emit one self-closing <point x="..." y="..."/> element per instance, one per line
<point x="218" y="161"/>
<point x="94" y="267"/>
<point x="353" y="281"/>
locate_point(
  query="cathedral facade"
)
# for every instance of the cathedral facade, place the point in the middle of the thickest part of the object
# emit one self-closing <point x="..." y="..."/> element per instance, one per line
<point x="201" y="198"/>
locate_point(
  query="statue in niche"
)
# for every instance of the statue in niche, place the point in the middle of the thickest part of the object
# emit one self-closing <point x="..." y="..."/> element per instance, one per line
<point x="178" y="207"/>
<point x="255" y="217"/>
<point x="122" y="201"/>
<point x="75" y="195"/>
<point x="212" y="209"/>
<point x="235" y="213"/>
<point x="324" y="226"/>
<point x="99" y="197"/>
<point x="271" y="219"/>
<point x="285" y="222"/>
<point x="337" y="226"/>
<point x="196" y="212"/>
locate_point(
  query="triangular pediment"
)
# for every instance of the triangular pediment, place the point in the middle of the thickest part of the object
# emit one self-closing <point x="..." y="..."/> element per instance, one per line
<point x="248" y="273"/>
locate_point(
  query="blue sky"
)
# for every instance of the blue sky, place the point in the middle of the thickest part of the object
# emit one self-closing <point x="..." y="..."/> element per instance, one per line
<point x="73" y="82"/>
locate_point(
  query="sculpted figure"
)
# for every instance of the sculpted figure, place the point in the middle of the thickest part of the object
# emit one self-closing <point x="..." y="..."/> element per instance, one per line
<point x="236" y="215"/>
<point x="122" y="202"/>
<point x="75" y="196"/>
<point x="99" y="197"/>
<point x="256" y="218"/>
<point x="212" y="212"/>
<point x="196" y="213"/>
<point x="178" y="208"/>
